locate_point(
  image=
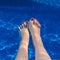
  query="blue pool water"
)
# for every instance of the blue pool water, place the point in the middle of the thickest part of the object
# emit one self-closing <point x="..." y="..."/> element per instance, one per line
<point x="12" y="17"/>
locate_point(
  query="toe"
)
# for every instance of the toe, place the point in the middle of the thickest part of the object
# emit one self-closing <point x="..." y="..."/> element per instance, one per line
<point x="37" y="23"/>
<point x="25" y="24"/>
<point x="32" y="21"/>
<point x="21" y="26"/>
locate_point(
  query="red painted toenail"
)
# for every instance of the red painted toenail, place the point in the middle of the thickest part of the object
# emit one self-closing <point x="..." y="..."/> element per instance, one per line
<point x="32" y="19"/>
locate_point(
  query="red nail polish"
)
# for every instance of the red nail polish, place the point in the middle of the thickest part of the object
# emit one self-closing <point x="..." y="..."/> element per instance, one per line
<point x="32" y="19"/>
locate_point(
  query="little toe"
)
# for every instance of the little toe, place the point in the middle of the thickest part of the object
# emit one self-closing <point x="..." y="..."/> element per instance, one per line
<point x="20" y="27"/>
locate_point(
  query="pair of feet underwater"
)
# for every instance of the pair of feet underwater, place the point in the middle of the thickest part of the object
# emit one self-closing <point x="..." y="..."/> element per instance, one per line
<point x="33" y="27"/>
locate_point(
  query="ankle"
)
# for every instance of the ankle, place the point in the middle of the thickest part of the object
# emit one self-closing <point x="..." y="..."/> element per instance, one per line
<point x="36" y="36"/>
<point x="37" y="40"/>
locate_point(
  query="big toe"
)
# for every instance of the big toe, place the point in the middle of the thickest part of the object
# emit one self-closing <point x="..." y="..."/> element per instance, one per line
<point x="35" y="22"/>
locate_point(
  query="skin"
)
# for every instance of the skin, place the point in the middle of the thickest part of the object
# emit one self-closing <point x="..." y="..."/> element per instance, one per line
<point x="23" y="48"/>
<point x="40" y="51"/>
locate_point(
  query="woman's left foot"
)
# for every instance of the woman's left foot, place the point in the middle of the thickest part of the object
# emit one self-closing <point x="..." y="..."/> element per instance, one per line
<point x="24" y="30"/>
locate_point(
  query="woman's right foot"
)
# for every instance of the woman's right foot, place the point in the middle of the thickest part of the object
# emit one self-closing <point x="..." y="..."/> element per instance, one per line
<point x="34" y="28"/>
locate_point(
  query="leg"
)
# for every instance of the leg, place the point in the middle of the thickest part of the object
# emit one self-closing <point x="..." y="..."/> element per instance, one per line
<point x="41" y="53"/>
<point x="23" y="49"/>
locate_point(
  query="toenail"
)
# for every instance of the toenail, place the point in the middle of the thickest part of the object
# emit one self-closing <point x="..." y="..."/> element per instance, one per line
<point x="32" y="19"/>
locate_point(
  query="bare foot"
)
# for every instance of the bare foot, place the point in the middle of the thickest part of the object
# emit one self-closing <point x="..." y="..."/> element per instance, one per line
<point x="23" y="48"/>
<point x="24" y="30"/>
<point x="34" y="26"/>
